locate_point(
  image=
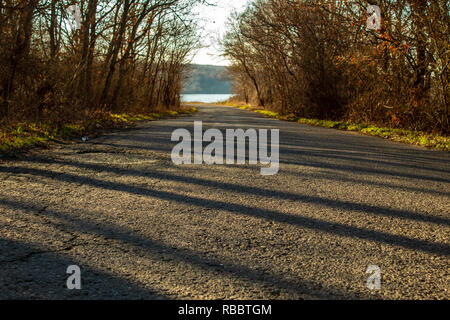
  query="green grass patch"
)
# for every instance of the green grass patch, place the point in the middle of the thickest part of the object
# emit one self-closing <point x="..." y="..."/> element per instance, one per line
<point x="400" y="135"/>
<point x="25" y="135"/>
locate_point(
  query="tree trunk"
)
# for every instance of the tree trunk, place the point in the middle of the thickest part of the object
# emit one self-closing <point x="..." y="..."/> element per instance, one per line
<point x="20" y="52"/>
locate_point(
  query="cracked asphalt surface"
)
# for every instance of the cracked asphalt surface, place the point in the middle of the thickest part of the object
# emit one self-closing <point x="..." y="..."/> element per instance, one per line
<point x="140" y="227"/>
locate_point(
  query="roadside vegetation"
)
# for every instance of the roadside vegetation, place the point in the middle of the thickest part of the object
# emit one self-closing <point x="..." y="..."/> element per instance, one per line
<point x="22" y="136"/>
<point x="419" y="138"/>
<point x="318" y="62"/>
<point x="67" y="73"/>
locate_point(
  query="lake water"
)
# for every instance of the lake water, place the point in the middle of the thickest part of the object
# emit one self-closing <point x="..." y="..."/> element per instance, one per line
<point x="206" y="98"/>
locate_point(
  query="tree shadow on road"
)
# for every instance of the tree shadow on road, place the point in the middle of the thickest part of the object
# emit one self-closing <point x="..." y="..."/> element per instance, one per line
<point x="233" y="187"/>
<point x="271" y="215"/>
<point x="69" y="223"/>
<point x="32" y="271"/>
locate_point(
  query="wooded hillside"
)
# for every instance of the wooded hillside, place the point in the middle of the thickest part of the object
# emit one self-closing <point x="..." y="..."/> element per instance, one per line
<point x="207" y="79"/>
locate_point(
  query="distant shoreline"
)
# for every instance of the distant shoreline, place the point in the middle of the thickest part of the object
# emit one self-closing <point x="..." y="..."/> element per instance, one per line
<point x="205" y="98"/>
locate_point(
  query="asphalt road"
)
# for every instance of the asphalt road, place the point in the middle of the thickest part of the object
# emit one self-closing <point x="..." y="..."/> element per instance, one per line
<point x="140" y="227"/>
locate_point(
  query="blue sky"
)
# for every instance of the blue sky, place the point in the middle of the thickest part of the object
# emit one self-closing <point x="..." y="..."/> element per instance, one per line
<point x="213" y="20"/>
